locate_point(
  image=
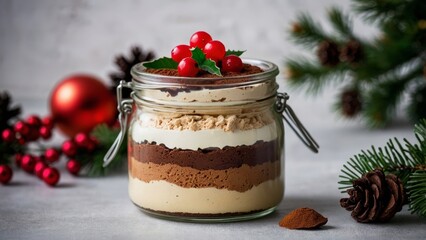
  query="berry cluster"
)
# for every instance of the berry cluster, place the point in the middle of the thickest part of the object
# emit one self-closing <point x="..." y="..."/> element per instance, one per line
<point x="22" y="133"/>
<point x="82" y="143"/>
<point x="213" y="50"/>
<point x="41" y="164"/>
<point x="29" y="131"/>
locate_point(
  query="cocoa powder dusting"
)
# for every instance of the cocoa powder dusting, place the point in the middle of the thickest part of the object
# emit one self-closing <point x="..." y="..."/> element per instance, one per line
<point x="247" y="70"/>
<point x="303" y="218"/>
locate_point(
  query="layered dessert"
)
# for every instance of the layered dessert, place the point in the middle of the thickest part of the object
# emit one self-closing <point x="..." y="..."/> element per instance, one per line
<point x="201" y="150"/>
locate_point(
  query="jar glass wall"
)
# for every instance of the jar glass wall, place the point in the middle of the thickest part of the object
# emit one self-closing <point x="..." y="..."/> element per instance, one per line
<point x="206" y="149"/>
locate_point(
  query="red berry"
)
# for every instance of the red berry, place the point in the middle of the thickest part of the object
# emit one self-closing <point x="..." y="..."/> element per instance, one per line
<point x="188" y="67"/>
<point x="180" y="52"/>
<point x="22" y="141"/>
<point x="34" y="121"/>
<point x="81" y="139"/>
<point x="39" y="168"/>
<point x="6" y="174"/>
<point x="18" y="158"/>
<point x="8" y="135"/>
<point x="48" y="122"/>
<point x="73" y="166"/>
<point x="69" y="148"/>
<point x="232" y="63"/>
<point x="45" y="132"/>
<point x="215" y="50"/>
<point x="28" y="163"/>
<point x="39" y="158"/>
<point x="22" y="128"/>
<point x="199" y="39"/>
<point x="51" y="155"/>
<point x="51" y="176"/>
<point x="34" y="134"/>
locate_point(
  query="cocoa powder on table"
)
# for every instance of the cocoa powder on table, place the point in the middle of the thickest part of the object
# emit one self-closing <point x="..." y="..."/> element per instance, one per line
<point x="303" y="218"/>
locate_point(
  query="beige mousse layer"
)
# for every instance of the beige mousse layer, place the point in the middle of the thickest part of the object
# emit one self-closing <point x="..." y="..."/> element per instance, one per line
<point x="228" y="123"/>
<point x="238" y="179"/>
<point x="168" y="197"/>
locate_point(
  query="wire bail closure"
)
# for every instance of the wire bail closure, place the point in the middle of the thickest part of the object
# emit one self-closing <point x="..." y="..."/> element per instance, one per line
<point x="293" y="121"/>
<point x="124" y="107"/>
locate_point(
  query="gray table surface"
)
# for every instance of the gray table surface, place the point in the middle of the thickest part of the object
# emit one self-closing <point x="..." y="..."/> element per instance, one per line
<point x="99" y="208"/>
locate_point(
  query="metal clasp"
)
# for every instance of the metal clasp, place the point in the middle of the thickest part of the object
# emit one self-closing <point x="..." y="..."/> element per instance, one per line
<point x="124" y="107"/>
<point x="291" y="119"/>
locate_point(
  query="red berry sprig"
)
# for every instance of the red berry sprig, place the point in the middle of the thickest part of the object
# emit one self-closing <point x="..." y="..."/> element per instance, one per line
<point x="20" y="142"/>
<point x="202" y="54"/>
<point x="81" y="144"/>
<point x="21" y="134"/>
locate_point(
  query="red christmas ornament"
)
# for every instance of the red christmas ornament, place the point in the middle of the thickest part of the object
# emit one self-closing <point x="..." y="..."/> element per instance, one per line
<point x="51" y="176"/>
<point x="80" y="102"/>
<point x="6" y="174"/>
<point x="73" y="166"/>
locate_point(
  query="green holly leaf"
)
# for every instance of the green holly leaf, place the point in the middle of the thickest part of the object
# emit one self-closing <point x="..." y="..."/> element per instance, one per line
<point x="198" y="55"/>
<point x="162" y="63"/>
<point x="234" y="52"/>
<point x="210" y="66"/>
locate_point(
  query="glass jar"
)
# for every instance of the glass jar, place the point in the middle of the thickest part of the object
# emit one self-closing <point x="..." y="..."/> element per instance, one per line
<point x="207" y="149"/>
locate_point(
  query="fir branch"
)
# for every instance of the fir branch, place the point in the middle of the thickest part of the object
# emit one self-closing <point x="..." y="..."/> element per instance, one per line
<point x="378" y="10"/>
<point x="305" y="73"/>
<point x="382" y="99"/>
<point x="416" y="187"/>
<point x="341" y="22"/>
<point x="93" y="162"/>
<point x="310" y="33"/>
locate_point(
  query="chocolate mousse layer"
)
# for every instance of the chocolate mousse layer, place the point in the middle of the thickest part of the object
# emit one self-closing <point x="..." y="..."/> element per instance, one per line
<point x="207" y="158"/>
<point x="237" y="179"/>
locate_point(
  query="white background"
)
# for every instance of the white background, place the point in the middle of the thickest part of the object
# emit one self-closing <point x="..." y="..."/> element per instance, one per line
<point x="43" y="41"/>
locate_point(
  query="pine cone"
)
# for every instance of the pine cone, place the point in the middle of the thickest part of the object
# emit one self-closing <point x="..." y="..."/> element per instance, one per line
<point x="125" y="64"/>
<point x="351" y="103"/>
<point x="352" y="52"/>
<point x="6" y="111"/>
<point x="374" y="197"/>
<point x="328" y="53"/>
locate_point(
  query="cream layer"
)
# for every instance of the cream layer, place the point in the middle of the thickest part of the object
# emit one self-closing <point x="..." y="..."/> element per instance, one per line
<point x="193" y="140"/>
<point x="168" y="197"/>
<point x="220" y="95"/>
